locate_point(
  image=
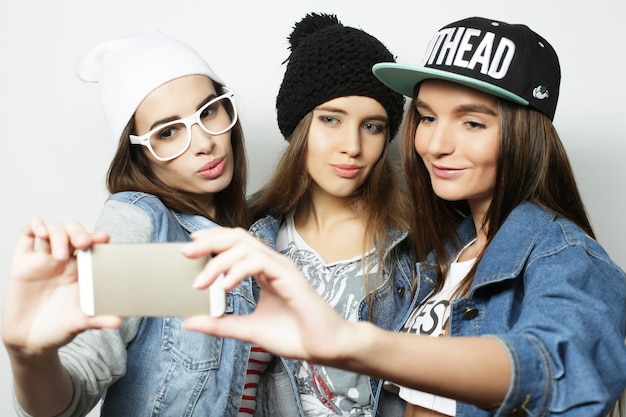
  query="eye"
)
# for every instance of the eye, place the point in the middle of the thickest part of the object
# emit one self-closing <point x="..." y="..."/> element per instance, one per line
<point x="330" y="120"/>
<point x="424" y="120"/>
<point x="165" y="133"/>
<point x="168" y="132"/>
<point x="210" y="110"/>
<point x="474" y="125"/>
<point x="374" y="128"/>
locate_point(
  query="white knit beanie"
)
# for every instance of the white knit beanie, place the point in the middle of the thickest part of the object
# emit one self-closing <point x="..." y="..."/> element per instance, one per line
<point x="127" y="69"/>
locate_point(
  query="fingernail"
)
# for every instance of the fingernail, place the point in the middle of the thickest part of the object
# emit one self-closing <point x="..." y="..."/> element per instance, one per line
<point x="200" y="279"/>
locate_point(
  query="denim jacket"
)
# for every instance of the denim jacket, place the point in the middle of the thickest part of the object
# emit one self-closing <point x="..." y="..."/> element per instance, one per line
<point x="169" y="371"/>
<point x="278" y="393"/>
<point x="557" y="302"/>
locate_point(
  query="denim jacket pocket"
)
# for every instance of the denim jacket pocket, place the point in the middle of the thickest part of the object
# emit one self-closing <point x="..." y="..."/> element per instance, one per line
<point x="193" y="351"/>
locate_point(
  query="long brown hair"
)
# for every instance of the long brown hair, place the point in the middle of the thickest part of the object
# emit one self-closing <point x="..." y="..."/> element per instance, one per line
<point x="532" y="166"/>
<point x="130" y="171"/>
<point x="381" y="201"/>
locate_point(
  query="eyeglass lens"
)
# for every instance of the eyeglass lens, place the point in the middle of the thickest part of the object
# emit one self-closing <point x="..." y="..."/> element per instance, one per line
<point x="215" y="118"/>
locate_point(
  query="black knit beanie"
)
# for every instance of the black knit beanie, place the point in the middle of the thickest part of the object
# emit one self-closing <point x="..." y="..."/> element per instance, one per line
<point x="329" y="60"/>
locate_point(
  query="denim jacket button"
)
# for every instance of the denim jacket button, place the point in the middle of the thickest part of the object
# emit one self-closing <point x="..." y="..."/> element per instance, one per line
<point x="470" y="313"/>
<point x="401" y="292"/>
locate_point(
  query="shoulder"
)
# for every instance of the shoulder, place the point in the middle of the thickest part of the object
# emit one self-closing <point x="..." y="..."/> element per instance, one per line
<point x="532" y="233"/>
<point x="267" y="225"/>
<point x="532" y="226"/>
<point x="553" y="233"/>
<point x="563" y="238"/>
<point x="130" y="216"/>
<point x="124" y="223"/>
<point x="136" y="198"/>
<point x="150" y="204"/>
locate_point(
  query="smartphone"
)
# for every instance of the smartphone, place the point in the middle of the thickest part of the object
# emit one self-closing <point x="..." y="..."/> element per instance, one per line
<point x="144" y="279"/>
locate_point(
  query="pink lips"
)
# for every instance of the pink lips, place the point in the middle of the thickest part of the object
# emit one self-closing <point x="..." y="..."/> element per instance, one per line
<point x="446" y="172"/>
<point x="346" y="170"/>
<point x="213" y="169"/>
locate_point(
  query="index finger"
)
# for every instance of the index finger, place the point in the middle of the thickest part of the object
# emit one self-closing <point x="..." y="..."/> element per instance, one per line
<point x="34" y="229"/>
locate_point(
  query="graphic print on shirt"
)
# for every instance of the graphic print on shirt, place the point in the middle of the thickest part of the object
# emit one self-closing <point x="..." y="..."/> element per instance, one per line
<point x="340" y="284"/>
<point x="327" y="391"/>
<point x="429" y="319"/>
<point x="432" y="317"/>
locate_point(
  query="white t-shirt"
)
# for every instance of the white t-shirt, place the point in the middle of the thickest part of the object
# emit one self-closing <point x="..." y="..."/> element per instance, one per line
<point x="431" y="318"/>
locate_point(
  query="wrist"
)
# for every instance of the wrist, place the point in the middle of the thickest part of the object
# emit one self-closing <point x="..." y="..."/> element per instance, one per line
<point x="356" y="345"/>
<point x="23" y="359"/>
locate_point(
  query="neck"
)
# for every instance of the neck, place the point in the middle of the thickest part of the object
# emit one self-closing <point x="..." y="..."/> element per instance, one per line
<point x="476" y="248"/>
<point x="206" y="202"/>
<point x="332" y="227"/>
<point x="323" y="212"/>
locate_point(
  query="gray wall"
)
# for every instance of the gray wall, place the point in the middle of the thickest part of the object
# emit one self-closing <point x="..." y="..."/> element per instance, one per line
<point x="57" y="148"/>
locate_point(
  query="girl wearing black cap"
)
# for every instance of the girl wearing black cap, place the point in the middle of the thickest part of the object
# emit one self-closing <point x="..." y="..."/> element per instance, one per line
<point x="335" y="207"/>
<point x="531" y="306"/>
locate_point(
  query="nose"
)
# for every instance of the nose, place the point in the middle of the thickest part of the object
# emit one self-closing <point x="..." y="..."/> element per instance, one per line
<point x="201" y="141"/>
<point x="438" y="139"/>
<point x="352" y="142"/>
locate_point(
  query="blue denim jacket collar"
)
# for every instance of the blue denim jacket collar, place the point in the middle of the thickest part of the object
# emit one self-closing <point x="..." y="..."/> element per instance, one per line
<point x="192" y="222"/>
<point x="507" y="253"/>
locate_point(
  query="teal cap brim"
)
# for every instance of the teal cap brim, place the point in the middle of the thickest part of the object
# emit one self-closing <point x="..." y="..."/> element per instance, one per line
<point x="403" y="78"/>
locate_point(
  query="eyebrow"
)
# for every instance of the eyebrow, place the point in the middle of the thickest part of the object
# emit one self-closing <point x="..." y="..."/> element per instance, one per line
<point x="160" y="122"/>
<point x="464" y="108"/>
<point x="332" y="109"/>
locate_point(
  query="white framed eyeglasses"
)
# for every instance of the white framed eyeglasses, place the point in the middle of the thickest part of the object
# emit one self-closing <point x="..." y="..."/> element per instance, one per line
<point x="172" y="139"/>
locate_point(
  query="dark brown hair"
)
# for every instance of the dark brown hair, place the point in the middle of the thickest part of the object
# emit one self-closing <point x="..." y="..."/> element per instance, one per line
<point x="130" y="171"/>
<point x="532" y="166"/>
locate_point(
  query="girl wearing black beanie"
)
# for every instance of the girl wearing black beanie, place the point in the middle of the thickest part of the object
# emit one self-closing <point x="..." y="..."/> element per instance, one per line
<point x="335" y="206"/>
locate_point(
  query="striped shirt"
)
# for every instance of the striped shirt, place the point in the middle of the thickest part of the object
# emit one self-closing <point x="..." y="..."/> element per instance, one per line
<point x="259" y="359"/>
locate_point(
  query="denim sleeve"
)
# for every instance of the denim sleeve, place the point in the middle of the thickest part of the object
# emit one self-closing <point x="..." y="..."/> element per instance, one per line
<point x="567" y="347"/>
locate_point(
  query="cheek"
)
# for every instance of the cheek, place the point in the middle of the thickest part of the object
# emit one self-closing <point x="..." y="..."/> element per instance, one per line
<point x="375" y="148"/>
<point x="314" y="151"/>
<point x="224" y="144"/>
<point x="486" y="153"/>
<point x="315" y="145"/>
<point x="166" y="172"/>
<point x="310" y="162"/>
<point x="156" y="166"/>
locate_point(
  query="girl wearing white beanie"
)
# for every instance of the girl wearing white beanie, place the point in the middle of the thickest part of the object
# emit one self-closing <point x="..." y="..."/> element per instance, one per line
<point x="180" y="166"/>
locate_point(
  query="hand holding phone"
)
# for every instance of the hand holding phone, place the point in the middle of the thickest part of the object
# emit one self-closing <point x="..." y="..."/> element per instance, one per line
<point x="144" y="279"/>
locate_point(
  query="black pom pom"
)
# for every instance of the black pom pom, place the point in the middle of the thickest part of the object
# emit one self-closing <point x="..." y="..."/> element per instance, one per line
<point x="311" y="23"/>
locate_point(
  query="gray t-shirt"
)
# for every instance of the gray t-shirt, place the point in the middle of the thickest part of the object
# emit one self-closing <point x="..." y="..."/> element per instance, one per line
<point x="327" y="391"/>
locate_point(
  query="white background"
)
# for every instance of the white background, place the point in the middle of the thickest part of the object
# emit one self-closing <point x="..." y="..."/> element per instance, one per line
<point x="55" y="146"/>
